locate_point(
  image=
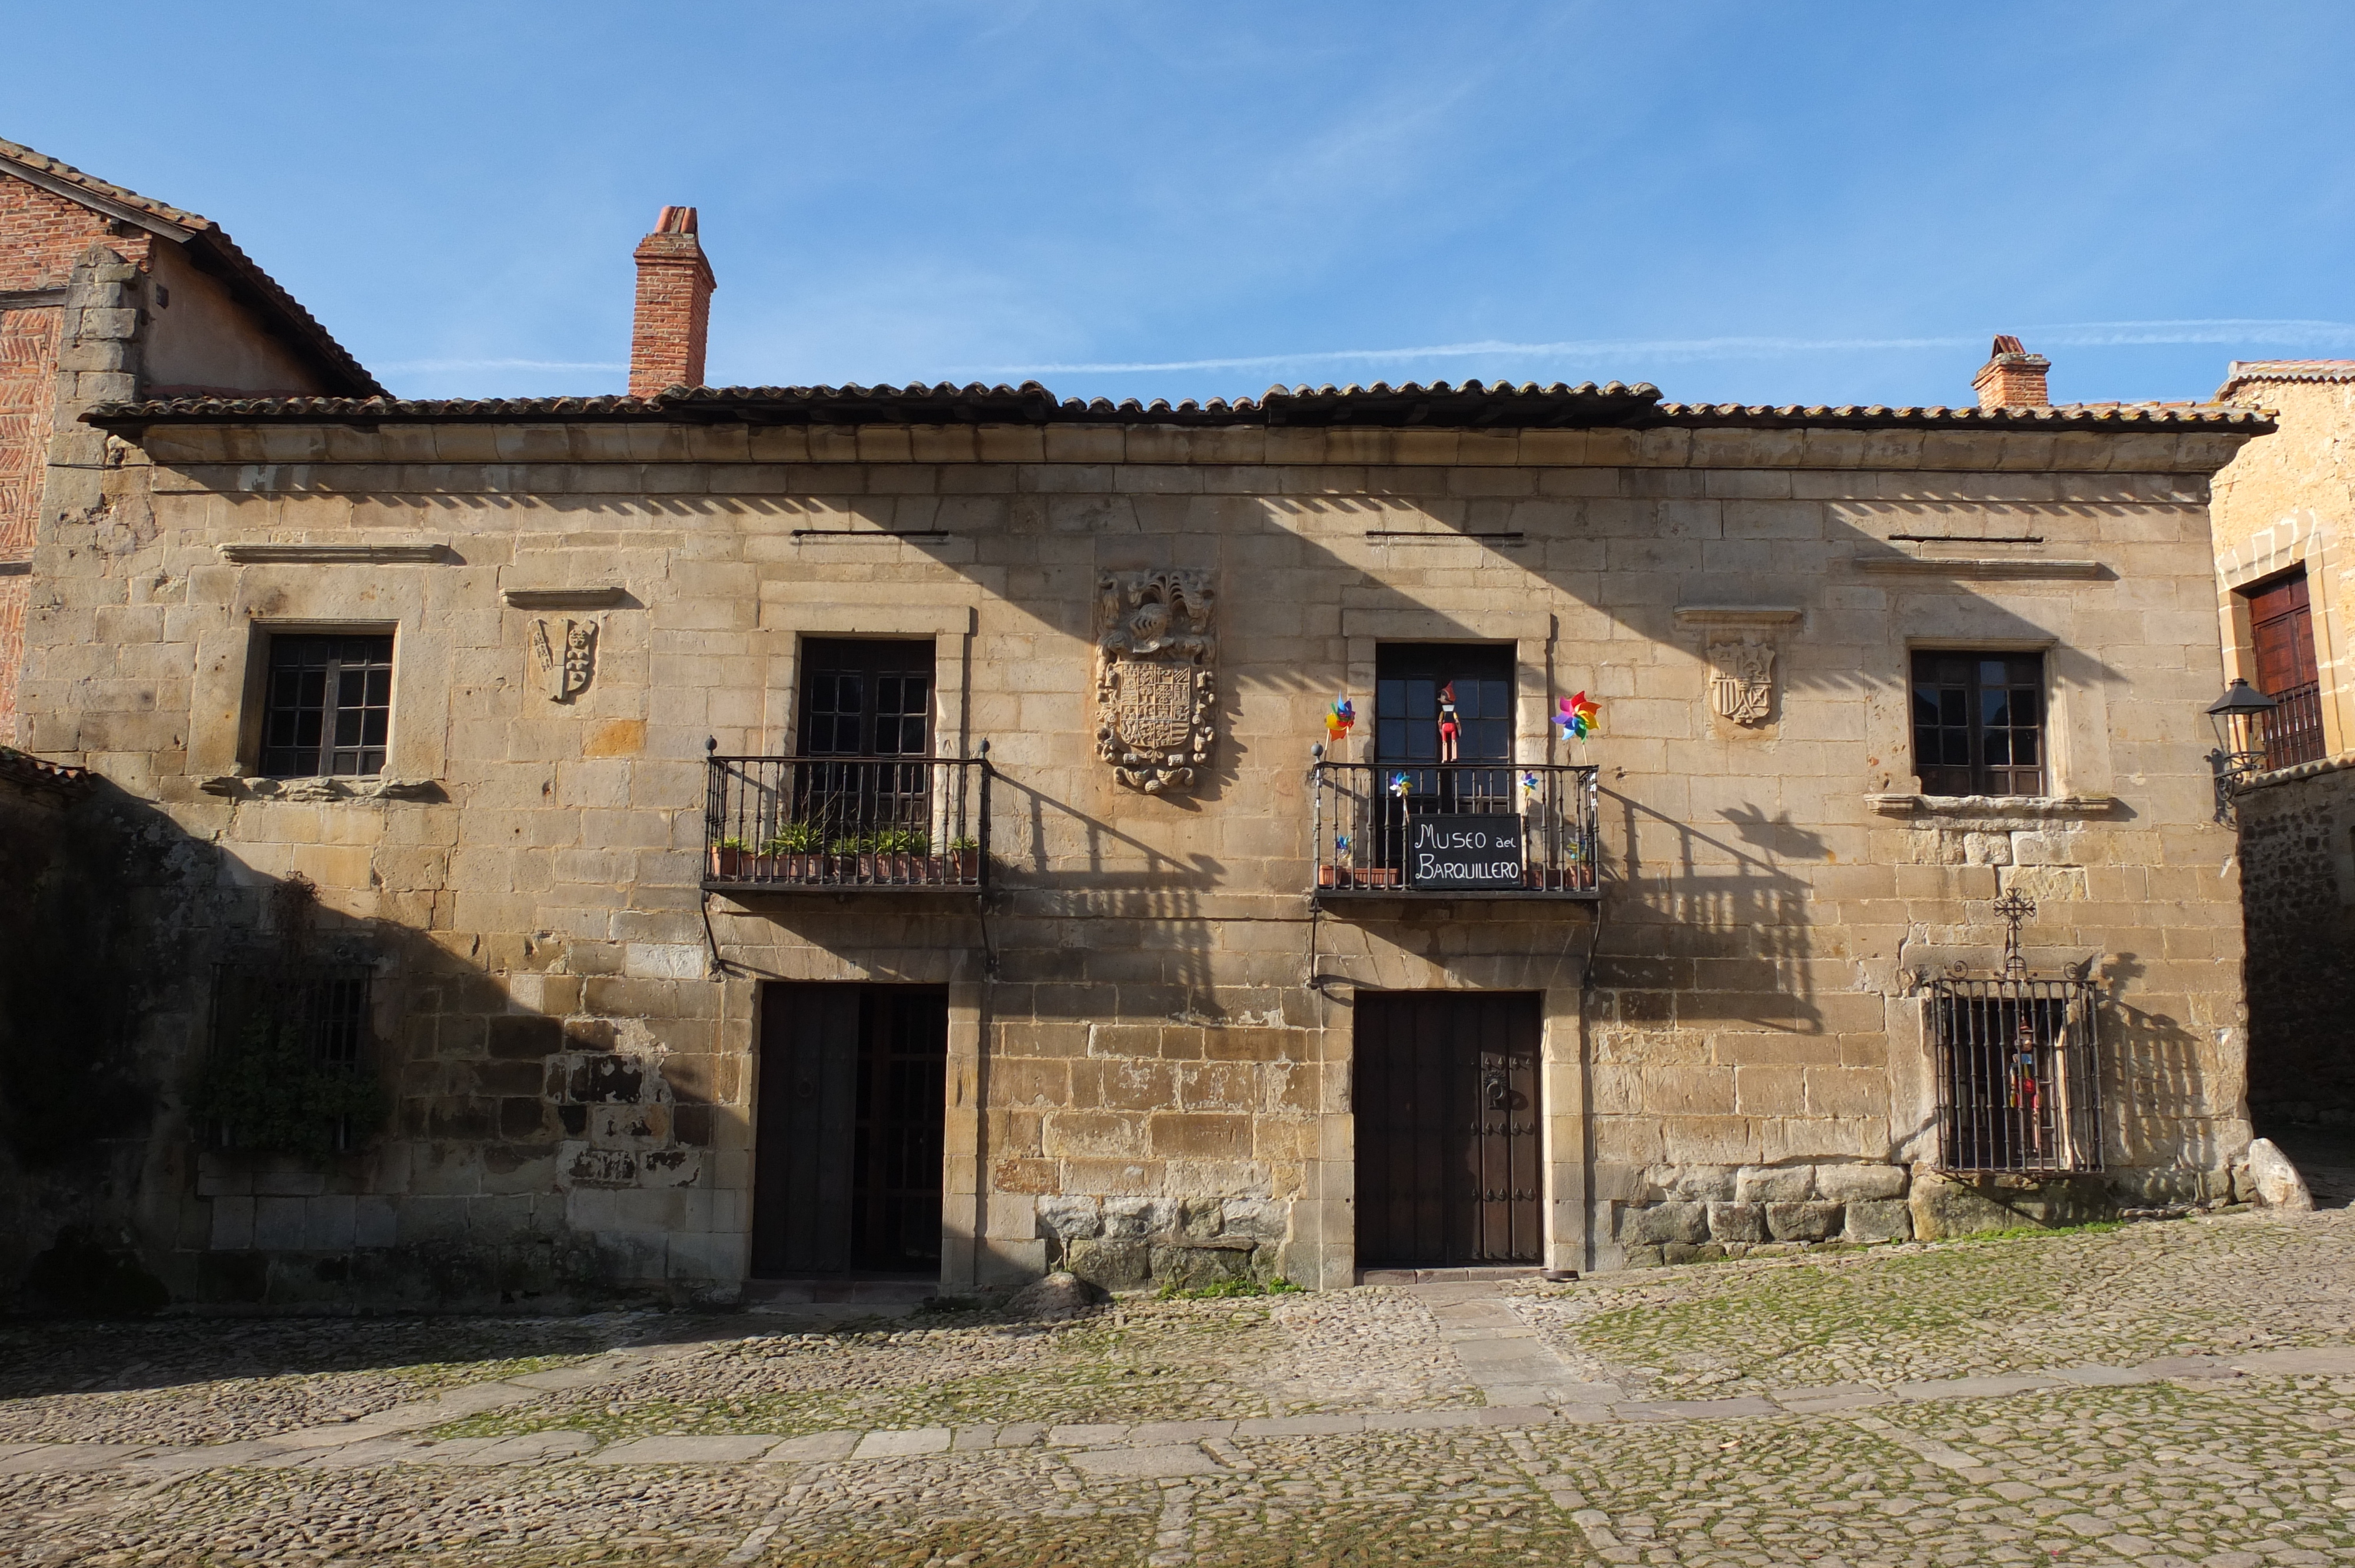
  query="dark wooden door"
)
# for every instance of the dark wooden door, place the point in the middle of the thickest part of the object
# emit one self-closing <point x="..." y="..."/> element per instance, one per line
<point x="846" y="1155"/>
<point x="1445" y="1093"/>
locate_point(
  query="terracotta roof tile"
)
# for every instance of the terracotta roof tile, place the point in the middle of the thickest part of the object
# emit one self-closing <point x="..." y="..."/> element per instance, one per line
<point x="2243" y="372"/>
<point x="25" y="771"/>
<point x="1471" y="405"/>
<point x="192" y="230"/>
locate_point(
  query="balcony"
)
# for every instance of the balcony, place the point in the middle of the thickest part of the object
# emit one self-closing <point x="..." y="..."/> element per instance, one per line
<point x="1459" y="830"/>
<point x="2293" y="730"/>
<point x="847" y="825"/>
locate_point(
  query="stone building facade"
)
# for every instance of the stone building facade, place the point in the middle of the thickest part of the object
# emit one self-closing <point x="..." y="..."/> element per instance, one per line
<point x="792" y="819"/>
<point x="2283" y="580"/>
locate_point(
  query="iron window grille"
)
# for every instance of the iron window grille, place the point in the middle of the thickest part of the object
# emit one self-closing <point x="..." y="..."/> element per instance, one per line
<point x="328" y="708"/>
<point x="2018" y="1069"/>
<point x="1979" y="723"/>
<point x="327" y="1010"/>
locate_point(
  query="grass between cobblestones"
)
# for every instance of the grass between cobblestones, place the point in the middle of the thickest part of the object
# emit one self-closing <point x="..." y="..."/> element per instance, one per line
<point x="181" y="1380"/>
<point x="2224" y="1472"/>
<point x="1148" y="1361"/>
<point x="2116" y="1297"/>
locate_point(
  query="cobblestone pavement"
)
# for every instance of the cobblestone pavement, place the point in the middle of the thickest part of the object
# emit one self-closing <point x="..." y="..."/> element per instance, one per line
<point x="2176" y="1393"/>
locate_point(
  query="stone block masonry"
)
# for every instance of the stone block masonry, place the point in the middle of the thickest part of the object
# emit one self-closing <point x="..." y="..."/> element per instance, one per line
<point x="1150" y="1061"/>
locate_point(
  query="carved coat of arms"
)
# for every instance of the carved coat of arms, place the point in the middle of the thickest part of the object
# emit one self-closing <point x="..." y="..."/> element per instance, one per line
<point x="1741" y="680"/>
<point x="564" y="655"/>
<point x="1156" y="676"/>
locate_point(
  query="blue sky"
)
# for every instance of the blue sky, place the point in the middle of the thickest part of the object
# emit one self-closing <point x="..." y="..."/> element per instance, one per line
<point x="1738" y="202"/>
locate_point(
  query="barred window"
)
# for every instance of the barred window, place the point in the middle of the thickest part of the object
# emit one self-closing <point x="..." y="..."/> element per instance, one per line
<point x="328" y="707"/>
<point x="1979" y="723"/>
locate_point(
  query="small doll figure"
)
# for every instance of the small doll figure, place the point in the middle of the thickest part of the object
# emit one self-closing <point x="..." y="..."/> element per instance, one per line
<point x="2027" y="1085"/>
<point x="1447" y="724"/>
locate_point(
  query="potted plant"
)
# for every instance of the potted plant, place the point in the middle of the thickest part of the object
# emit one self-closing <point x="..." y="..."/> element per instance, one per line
<point x="965" y="861"/>
<point x="843" y="858"/>
<point x="897" y="854"/>
<point x="728" y="859"/>
<point x="796" y="847"/>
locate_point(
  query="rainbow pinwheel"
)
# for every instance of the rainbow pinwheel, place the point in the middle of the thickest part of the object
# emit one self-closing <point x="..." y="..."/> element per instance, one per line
<point x="1529" y="785"/>
<point x="1579" y="716"/>
<point x="1400" y="784"/>
<point x="1339" y="717"/>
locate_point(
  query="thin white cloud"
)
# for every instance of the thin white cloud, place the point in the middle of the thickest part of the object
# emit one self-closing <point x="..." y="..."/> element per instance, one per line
<point x="502" y="365"/>
<point x="2079" y="334"/>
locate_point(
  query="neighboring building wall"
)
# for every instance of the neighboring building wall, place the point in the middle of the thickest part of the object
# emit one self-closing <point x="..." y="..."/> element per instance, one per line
<point x="2286" y="501"/>
<point x="1146" y="1052"/>
<point x="96" y="308"/>
<point x="199" y="338"/>
<point x="42" y="237"/>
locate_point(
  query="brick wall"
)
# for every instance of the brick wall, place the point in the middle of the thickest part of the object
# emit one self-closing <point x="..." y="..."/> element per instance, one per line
<point x="674" y="307"/>
<point x="42" y="236"/>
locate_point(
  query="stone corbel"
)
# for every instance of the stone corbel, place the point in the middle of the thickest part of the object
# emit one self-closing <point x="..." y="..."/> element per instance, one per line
<point x="603" y="595"/>
<point x="321" y="790"/>
<point x="1993" y="813"/>
<point x="260" y="551"/>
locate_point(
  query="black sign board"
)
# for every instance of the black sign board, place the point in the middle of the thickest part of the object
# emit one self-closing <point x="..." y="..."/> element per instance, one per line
<point x="1469" y="853"/>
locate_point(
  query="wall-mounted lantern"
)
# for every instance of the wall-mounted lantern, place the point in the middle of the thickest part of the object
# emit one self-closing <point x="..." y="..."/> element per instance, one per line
<point x="2239" y="716"/>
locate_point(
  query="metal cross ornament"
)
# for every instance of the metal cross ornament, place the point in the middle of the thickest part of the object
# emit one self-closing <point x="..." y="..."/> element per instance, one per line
<point x="2014" y="906"/>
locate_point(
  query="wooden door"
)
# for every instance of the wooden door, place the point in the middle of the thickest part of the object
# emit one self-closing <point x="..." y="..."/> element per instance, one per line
<point x="1445" y="1095"/>
<point x="846" y="1155"/>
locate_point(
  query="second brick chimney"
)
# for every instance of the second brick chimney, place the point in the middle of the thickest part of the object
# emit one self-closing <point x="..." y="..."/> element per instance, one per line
<point x="2013" y="377"/>
<point x="674" y="317"/>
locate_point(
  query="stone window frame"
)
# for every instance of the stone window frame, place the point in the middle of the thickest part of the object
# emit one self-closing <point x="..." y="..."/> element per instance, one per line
<point x="243" y="604"/>
<point x="951" y="629"/>
<point x="2078" y="777"/>
<point x="2298" y="540"/>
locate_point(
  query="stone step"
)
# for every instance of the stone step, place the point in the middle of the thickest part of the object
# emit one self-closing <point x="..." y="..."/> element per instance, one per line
<point x="841" y="1290"/>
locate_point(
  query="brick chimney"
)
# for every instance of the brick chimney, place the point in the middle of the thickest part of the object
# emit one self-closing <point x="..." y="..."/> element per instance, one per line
<point x="2013" y="377"/>
<point x="674" y="284"/>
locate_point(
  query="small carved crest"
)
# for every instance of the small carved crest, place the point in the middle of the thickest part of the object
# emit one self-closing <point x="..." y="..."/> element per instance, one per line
<point x="1741" y="679"/>
<point x="1156" y="676"/>
<point x="564" y="652"/>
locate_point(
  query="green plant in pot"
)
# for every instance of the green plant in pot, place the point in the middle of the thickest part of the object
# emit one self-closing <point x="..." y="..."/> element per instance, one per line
<point x="964" y="858"/>
<point x="796" y="838"/>
<point x="900" y="841"/>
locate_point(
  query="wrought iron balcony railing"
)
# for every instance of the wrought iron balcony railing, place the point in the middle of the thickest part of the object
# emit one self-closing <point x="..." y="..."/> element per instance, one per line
<point x="1455" y="829"/>
<point x="846" y="823"/>
<point x="2293" y="730"/>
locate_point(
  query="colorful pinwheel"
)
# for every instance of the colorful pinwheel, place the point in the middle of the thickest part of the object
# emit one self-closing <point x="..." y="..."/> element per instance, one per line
<point x="1400" y="784"/>
<point x="1339" y="717"/>
<point x="1579" y="716"/>
<point x="1529" y="785"/>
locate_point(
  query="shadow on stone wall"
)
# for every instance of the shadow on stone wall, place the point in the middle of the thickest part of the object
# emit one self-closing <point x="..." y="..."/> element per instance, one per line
<point x="2298" y="893"/>
<point x="505" y="1121"/>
